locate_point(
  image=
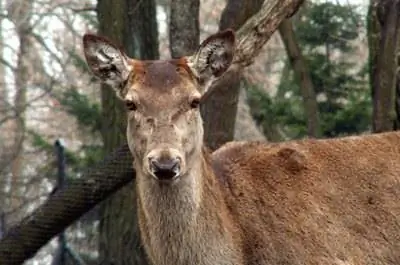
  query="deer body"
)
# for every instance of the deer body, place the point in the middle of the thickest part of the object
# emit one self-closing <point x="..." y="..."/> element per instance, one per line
<point x="301" y="202"/>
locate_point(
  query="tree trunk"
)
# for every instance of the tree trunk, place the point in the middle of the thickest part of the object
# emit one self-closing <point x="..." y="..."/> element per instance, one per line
<point x="20" y="14"/>
<point x="3" y="88"/>
<point x="220" y="110"/>
<point x="184" y="31"/>
<point x="303" y="77"/>
<point x="131" y="23"/>
<point x="246" y="127"/>
<point x="384" y="37"/>
<point x="3" y="129"/>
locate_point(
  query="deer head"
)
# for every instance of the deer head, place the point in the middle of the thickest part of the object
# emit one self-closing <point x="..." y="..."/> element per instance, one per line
<point x="162" y="97"/>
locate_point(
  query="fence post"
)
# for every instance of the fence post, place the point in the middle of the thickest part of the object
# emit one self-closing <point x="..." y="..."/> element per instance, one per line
<point x="61" y="178"/>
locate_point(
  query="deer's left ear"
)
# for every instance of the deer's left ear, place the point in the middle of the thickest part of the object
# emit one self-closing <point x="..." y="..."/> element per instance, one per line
<point x="213" y="57"/>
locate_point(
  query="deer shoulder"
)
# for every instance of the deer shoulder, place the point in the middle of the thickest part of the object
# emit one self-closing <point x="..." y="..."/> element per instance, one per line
<point x="315" y="201"/>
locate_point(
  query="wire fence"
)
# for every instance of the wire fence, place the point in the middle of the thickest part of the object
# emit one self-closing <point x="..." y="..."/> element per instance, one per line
<point x="69" y="201"/>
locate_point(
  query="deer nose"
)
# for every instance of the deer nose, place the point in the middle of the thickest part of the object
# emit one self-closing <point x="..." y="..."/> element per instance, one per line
<point x="165" y="168"/>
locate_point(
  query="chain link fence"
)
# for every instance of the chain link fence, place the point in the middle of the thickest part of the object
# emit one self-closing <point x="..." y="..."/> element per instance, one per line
<point x="57" y="216"/>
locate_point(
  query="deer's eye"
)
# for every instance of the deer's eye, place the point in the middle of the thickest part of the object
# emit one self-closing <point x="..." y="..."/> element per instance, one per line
<point x="130" y="105"/>
<point x="195" y="103"/>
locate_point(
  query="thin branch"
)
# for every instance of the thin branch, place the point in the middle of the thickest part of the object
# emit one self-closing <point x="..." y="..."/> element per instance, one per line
<point x="84" y="9"/>
<point x="42" y="42"/>
<point x="6" y="63"/>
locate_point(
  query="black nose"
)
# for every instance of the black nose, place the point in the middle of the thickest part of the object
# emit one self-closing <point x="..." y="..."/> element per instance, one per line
<point x="165" y="169"/>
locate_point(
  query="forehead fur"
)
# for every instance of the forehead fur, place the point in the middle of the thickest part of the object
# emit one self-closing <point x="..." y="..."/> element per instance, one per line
<point x="161" y="84"/>
<point x="161" y="75"/>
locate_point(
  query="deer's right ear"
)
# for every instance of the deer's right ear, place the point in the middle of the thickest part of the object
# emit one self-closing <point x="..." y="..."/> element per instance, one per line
<point x="107" y="61"/>
<point x="213" y="57"/>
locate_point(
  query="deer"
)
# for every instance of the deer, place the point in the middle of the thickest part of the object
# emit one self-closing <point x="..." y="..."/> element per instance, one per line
<point x="307" y="201"/>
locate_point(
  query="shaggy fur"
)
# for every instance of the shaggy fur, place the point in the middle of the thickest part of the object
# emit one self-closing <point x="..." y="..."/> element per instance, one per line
<point x="315" y="201"/>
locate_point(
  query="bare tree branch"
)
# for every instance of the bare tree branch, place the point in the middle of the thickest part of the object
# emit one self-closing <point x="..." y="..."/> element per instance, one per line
<point x="252" y="36"/>
<point x="6" y="63"/>
<point x="257" y="30"/>
<point x="84" y="9"/>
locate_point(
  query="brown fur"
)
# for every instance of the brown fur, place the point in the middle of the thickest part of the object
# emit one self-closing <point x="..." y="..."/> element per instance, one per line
<point x="160" y="75"/>
<point x="300" y="202"/>
<point x="315" y="201"/>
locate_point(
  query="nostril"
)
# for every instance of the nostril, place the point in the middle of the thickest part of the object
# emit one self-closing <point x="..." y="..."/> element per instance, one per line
<point x="165" y="168"/>
<point x="165" y="164"/>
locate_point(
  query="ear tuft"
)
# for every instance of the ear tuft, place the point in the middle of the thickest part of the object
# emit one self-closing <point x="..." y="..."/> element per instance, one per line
<point x="214" y="56"/>
<point x="106" y="61"/>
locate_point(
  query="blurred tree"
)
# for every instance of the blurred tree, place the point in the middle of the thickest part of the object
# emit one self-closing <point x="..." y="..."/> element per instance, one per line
<point x="384" y="41"/>
<point x="131" y="23"/>
<point x="3" y="107"/>
<point x="184" y="30"/>
<point x="3" y="88"/>
<point x="325" y="32"/>
<point x="87" y="113"/>
<point x="25" y="141"/>
<point x="20" y="13"/>
<point x="303" y="77"/>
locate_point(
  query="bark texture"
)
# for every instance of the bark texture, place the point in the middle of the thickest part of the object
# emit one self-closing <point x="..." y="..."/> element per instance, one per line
<point x="384" y="38"/>
<point x="303" y="76"/>
<point x="66" y="206"/>
<point x="131" y="23"/>
<point x="184" y="30"/>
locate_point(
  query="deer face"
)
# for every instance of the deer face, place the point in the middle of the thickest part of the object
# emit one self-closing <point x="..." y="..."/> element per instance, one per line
<point x="165" y="130"/>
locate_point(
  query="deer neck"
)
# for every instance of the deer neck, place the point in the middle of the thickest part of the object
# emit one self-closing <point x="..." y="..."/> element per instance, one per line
<point x="181" y="202"/>
<point x="179" y="220"/>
